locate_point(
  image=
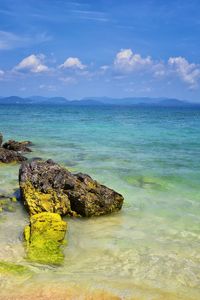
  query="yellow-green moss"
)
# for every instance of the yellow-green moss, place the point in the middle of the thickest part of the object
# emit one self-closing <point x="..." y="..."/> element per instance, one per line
<point x="9" y="268"/>
<point x="38" y="202"/>
<point x="14" y="199"/>
<point x="44" y="238"/>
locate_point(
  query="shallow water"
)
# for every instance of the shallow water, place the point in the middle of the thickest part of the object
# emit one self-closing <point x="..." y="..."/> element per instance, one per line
<point x="149" y="250"/>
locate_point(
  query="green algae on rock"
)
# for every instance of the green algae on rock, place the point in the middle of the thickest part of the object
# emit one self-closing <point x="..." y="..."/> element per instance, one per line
<point x="9" y="268"/>
<point x="7" y="204"/>
<point x="46" y="186"/>
<point x="44" y="238"/>
<point x="38" y="202"/>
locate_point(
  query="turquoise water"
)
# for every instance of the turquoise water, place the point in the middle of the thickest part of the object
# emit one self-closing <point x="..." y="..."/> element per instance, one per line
<point x="151" y="248"/>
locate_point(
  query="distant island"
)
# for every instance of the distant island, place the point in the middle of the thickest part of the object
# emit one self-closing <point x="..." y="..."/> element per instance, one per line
<point x="100" y="101"/>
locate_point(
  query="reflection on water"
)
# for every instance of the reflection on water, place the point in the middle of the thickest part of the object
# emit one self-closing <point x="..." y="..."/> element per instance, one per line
<point x="149" y="250"/>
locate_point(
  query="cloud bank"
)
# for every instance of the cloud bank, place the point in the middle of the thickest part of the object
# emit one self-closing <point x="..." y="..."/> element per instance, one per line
<point x="126" y="64"/>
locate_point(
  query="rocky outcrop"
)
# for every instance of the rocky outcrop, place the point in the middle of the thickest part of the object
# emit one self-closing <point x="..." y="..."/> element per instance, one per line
<point x="46" y="186"/>
<point x="18" y="146"/>
<point x="8" y="156"/>
<point x="11" y="150"/>
<point x="44" y="237"/>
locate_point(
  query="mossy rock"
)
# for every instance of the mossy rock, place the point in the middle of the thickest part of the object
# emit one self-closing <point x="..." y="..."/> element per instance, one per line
<point x="47" y="187"/>
<point x="8" y="268"/>
<point x="44" y="238"/>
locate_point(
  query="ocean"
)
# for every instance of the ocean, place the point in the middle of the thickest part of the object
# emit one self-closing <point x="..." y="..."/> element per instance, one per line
<point x="148" y="250"/>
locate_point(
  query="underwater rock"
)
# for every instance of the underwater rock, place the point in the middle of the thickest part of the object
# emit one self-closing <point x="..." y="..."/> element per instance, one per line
<point x="18" y="146"/>
<point x="46" y="186"/>
<point x="146" y="182"/>
<point x="7" y="203"/>
<point x="8" y="156"/>
<point x="8" y="268"/>
<point x="44" y="237"/>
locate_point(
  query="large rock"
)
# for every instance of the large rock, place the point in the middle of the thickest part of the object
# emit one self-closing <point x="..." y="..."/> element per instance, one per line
<point x="45" y="186"/>
<point x="18" y="146"/>
<point x="8" y="156"/>
<point x="44" y="237"/>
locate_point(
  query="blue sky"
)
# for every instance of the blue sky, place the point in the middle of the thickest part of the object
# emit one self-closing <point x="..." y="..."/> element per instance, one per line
<point x="100" y="48"/>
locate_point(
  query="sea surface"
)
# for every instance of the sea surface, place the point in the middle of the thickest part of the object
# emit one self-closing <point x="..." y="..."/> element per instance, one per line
<point x="151" y="248"/>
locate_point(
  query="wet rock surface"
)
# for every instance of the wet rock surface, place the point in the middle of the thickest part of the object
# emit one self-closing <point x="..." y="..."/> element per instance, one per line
<point x="44" y="237"/>
<point x="11" y="151"/>
<point x="9" y="156"/>
<point x="46" y="186"/>
<point x="18" y="146"/>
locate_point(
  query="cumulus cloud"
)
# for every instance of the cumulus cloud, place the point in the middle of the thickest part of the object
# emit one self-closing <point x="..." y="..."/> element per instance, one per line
<point x="127" y="61"/>
<point x="72" y="63"/>
<point x="188" y="72"/>
<point x="2" y="72"/>
<point x="32" y="63"/>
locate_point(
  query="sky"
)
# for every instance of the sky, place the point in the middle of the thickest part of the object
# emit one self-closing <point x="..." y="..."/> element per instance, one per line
<point x="94" y="48"/>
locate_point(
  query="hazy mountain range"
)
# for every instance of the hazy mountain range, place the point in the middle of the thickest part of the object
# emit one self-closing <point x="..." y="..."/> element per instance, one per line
<point x="98" y="101"/>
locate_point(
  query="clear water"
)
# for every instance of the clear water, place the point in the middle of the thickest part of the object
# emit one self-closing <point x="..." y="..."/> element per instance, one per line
<point x="149" y="250"/>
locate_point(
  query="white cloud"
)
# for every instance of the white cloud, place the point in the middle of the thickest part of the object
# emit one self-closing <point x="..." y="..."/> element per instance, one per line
<point x="9" y="40"/>
<point x="48" y="87"/>
<point x="2" y="73"/>
<point x="72" y="63"/>
<point x="68" y="80"/>
<point x="127" y="61"/>
<point x="188" y="72"/>
<point x="159" y="70"/>
<point x="104" y="68"/>
<point x="33" y="63"/>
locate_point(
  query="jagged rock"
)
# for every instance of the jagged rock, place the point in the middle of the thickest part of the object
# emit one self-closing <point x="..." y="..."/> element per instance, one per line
<point x="46" y="186"/>
<point x="1" y="139"/>
<point x="44" y="237"/>
<point x="18" y="146"/>
<point x="8" y="156"/>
